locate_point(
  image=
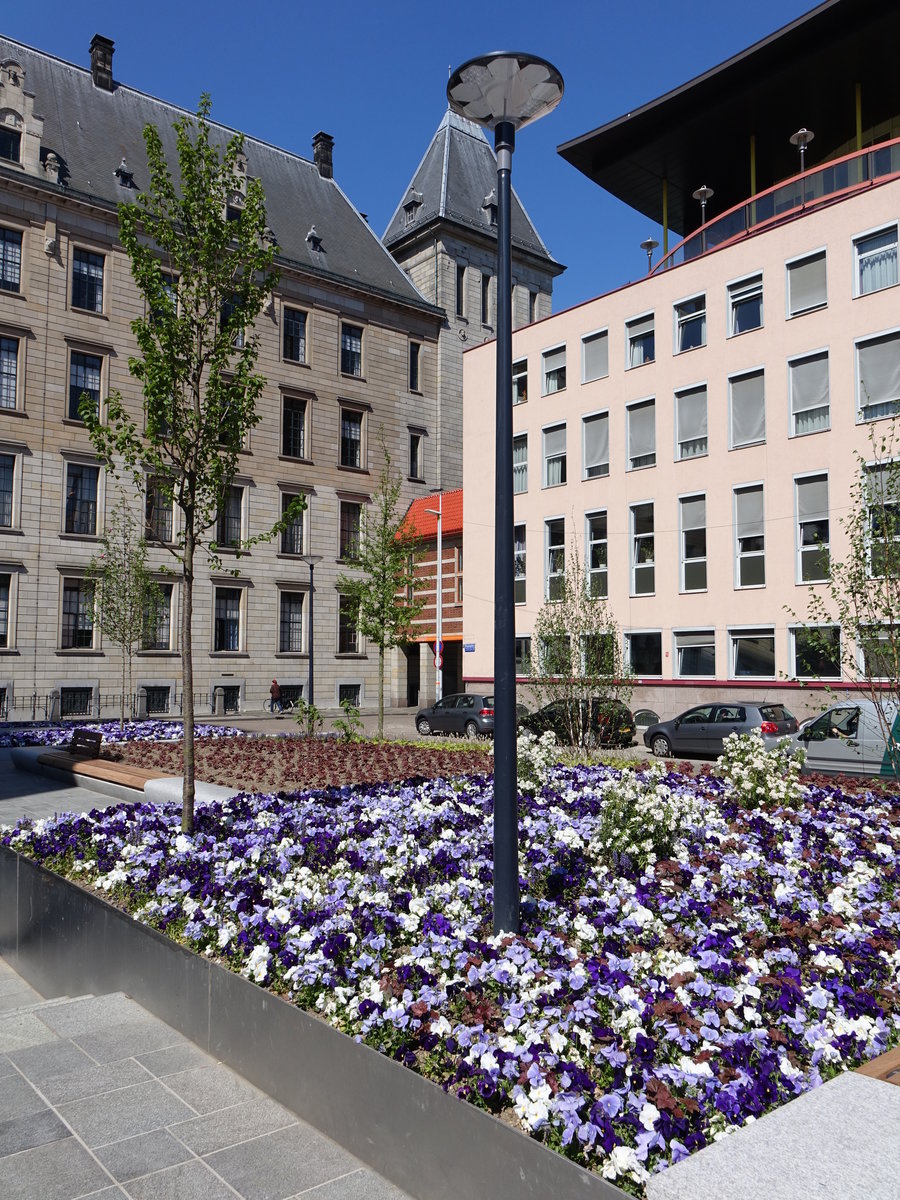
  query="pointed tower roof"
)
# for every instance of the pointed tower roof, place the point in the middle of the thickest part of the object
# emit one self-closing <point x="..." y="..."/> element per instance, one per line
<point x="456" y="183"/>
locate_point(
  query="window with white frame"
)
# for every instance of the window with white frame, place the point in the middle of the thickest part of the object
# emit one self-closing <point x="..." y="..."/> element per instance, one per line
<point x="157" y="631"/>
<point x="878" y="652"/>
<point x="290" y="622"/>
<point x="752" y="653"/>
<point x="749" y="534"/>
<point x="812" y="528"/>
<point x="10" y="259"/>
<point x="691" y="440"/>
<point x="555" y="541"/>
<point x="808" y="391"/>
<point x="746" y="409"/>
<point x="77" y="624"/>
<point x="640" y="341"/>
<point x="227" y="621"/>
<point x="82" y="483"/>
<point x="690" y="324"/>
<point x="695" y="653"/>
<point x="7" y="489"/>
<point x="745" y="305"/>
<point x="293" y="343"/>
<point x="292" y="536"/>
<point x="595" y="445"/>
<point x="87" y="280"/>
<point x="806" y="284"/>
<point x="230" y="519"/>
<point x="351" y="349"/>
<point x="520" y="463"/>
<point x="597" y="554"/>
<point x="553" y="370"/>
<point x="643" y="651"/>
<point x="876" y="260"/>
<point x="643" y="550"/>
<point x="816" y="652"/>
<point x="692" y="529"/>
<point x="9" y="372"/>
<point x="519" y="564"/>
<point x="554" y="439"/>
<point x="640" y="432"/>
<point x="595" y="356"/>
<point x="293" y="426"/>
<point x="523" y="655"/>
<point x="881" y="485"/>
<point x="84" y="377"/>
<point x="878" y="373"/>
<point x="520" y="381"/>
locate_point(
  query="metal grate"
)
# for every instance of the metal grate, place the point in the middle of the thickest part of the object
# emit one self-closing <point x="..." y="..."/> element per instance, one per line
<point x="75" y="702"/>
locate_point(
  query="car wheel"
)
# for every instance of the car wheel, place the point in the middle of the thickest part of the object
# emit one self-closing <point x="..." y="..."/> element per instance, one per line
<point x="661" y="746"/>
<point x="423" y="726"/>
<point x="471" y="730"/>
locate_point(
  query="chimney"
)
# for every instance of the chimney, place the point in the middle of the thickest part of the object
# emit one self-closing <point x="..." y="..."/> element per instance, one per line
<point x="101" y="62"/>
<point x="323" y="146"/>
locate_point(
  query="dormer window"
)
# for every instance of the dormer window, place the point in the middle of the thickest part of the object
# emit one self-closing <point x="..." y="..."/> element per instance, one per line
<point x="313" y="240"/>
<point x="10" y="145"/>
<point x="124" y="176"/>
<point x="411" y="205"/>
<point x="490" y="206"/>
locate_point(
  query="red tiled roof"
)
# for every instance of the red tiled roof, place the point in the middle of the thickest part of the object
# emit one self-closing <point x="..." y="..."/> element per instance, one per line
<point x="420" y="521"/>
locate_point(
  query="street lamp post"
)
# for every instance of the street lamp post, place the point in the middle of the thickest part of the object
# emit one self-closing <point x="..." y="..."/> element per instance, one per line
<point x="439" y="602"/>
<point x="311" y="560"/>
<point x="703" y="194"/>
<point x="504" y="91"/>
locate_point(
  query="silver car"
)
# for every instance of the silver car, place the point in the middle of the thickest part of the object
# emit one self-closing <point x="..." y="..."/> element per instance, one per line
<point x="703" y="729"/>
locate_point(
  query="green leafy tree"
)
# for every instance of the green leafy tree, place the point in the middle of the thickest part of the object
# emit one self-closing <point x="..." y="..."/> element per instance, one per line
<point x="203" y="261"/>
<point x="861" y="597"/>
<point x="382" y="588"/>
<point x="127" y="599"/>
<point x="577" y="651"/>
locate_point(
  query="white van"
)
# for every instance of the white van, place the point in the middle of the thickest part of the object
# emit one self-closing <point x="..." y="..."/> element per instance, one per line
<point x="848" y="739"/>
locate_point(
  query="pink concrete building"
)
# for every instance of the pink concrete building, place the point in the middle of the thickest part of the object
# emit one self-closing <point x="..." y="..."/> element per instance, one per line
<point x="693" y="434"/>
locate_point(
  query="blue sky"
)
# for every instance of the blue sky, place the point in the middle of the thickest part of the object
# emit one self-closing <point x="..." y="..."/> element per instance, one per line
<point x="374" y="76"/>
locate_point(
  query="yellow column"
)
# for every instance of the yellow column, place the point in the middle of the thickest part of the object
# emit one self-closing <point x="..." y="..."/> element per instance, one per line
<point x="665" y="216"/>
<point x="752" y="164"/>
<point x="859" y="145"/>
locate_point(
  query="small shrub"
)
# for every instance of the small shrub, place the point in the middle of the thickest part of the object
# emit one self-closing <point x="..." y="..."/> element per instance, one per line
<point x="308" y="717"/>
<point x="762" y="778"/>
<point x="350" y="725"/>
<point x="643" y="819"/>
<point x="535" y="756"/>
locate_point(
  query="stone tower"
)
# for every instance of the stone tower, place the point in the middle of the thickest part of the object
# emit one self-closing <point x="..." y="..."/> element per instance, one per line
<point x="444" y="235"/>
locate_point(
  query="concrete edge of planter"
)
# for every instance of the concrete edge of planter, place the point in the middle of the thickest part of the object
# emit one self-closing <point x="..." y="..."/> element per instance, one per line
<point x="65" y="940"/>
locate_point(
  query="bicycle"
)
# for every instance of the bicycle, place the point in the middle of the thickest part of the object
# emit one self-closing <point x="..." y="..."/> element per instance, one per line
<point x="287" y="706"/>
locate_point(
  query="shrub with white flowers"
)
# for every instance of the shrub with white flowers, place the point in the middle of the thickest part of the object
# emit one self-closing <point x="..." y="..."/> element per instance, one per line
<point x="761" y="777"/>
<point x="535" y="756"/>
<point x="643" y="819"/>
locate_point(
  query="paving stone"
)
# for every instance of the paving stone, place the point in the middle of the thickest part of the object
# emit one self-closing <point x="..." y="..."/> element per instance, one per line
<point x="190" y="1181"/>
<point x="57" y="1171"/>
<point x="99" y="1120"/>
<point x="11" y="982"/>
<point x="6" y="1067"/>
<point x="174" y="1059"/>
<point x="360" y="1185"/>
<point x="18" y="1098"/>
<point x="32" y="1129"/>
<point x="91" y="1013"/>
<point x="143" y="1154"/>
<point x="211" y="1088"/>
<point x="39" y="1063"/>
<point x="282" y="1164"/>
<point x="94" y="1080"/>
<point x="18" y="1030"/>
<point x="204" y="1135"/>
<point x="127" y="1040"/>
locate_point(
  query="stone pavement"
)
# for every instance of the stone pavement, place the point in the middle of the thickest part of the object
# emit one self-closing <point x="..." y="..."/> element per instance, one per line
<point x="100" y="1099"/>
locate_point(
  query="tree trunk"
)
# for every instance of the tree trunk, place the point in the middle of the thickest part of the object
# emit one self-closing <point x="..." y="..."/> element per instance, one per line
<point x="187" y="677"/>
<point x="122" y="709"/>
<point x="380" y="692"/>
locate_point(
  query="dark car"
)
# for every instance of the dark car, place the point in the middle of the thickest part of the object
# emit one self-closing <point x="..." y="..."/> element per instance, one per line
<point x="466" y="714"/>
<point x="703" y="729"/>
<point x="602" y="722"/>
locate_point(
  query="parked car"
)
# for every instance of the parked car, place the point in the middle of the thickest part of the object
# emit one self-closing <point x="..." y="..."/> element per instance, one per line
<point x="466" y="714"/>
<point x="703" y="729"/>
<point x="849" y="739"/>
<point x="603" y="722"/>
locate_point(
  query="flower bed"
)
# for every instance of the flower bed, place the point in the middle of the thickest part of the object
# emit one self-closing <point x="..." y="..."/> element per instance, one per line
<point x="133" y="731"/>
<point x="641" y="1014"/>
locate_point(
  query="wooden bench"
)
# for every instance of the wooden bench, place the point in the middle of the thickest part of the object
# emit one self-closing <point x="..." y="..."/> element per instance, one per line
<point x="82" y="757"/>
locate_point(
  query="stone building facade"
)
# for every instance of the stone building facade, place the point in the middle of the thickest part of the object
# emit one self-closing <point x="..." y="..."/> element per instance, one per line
<point x="349" y="349"/>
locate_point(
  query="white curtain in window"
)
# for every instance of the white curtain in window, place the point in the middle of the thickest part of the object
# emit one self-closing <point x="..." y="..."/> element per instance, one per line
<point x="596" y="356"/>
<point x="748" y="410"/>
<point x="520" y="464"/>
<point x="554" y="363"/>
<point x="640" y="340"/>
<point x="596" y="445"/>
<point x="555" y="454"/>
<point x="690" y="416"/>
<point x="642" y="430"/>
<point x="806" y="283"/>
<point x="809" y="393"/>
<point x="748" y="503"/>
<point x="877" y="261"/>
<point x="879" y="373"/>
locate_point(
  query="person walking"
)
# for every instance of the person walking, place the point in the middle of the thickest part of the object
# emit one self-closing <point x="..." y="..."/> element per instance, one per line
<point x="275" y="693"/>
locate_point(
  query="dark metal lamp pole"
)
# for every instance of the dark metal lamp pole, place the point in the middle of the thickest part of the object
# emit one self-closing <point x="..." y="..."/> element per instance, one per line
<point x="504" y="91"/>
<point x="311" y="560"/>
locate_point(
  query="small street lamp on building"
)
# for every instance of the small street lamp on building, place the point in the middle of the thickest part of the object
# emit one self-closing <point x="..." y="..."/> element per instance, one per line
<point x="648" y="245"/>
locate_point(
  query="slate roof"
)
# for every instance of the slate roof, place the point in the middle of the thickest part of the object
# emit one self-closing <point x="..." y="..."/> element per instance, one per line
<point x="452" y="182"/>
<point x="420" y="521"/>
<point x="91" y="130"/>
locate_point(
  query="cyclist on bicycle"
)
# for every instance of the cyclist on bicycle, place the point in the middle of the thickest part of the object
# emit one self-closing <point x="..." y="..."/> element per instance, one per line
<point x="275" y="693"/>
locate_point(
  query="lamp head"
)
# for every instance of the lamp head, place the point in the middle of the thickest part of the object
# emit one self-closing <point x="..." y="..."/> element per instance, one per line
<point x="504" y="87"/>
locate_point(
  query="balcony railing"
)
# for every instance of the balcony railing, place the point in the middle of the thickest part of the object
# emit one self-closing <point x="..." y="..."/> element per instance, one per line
<point x="823" y="185"/>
